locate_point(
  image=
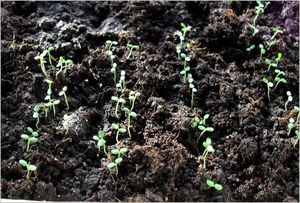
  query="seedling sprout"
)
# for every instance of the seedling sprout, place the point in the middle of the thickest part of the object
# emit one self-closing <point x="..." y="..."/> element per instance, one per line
<point x="119" y="130"/>
<point x="290" y="98"/>
<point x="63" y="93"/>
<point x="29" y="168"/>
<point x="130" y="48"/>
<point x="129" y="114"/>
<point x="36" y="114"/>
<point x="269" y="86"/>
<point x="118" y="100"/>
<point x="42" y="62"/>
<point x="31" y="138"/>
<point x="210" y="183"/>
<point x="100" y="138"/>
<point x="291" y="125"/>
<point x="208" y="149"/>
<point x="118" y="160"/>
<point x="278" y="79"/>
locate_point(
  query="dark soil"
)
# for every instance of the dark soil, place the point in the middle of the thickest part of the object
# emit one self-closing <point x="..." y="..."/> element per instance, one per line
<point x="254" y="158"/>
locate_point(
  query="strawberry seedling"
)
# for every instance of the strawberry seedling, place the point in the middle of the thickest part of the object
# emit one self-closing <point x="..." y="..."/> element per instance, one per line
<point x="130" y="48"/>
<point x="297" y="137"/>
<point x="63" y="66"/>
<point x="186" y="68"/>
<point x="211" y="184"/>
<point x="204" y="129"/>
<point x="118" y="129"/>
<point x="51" y="103"/>
<point x="259" y="10"/>
<point x="29" y="168"/>
<point x="262" y="50"/>
<point x="118" y="100"/>
<point x="197" y="121"/>
<point x="63" y="93"/>
<point x="118" y="160"/>
<point x="297" y="109"/>
<point x="100" y="138"/>
<point x="31" y="138"/>
<point x="272" y="40"/>
<point x="49" y="54"/>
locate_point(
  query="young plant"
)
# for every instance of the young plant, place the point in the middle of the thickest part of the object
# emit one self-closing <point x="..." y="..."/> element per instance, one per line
<point x="290" y="98"/>
<point x="118" y="160"/>
<point x="210" y="183"/>
<point x="63" y="66"/>
<point x="63" y="93"/>
<point x="118" y="129"/>
<point x="36" y="114"/>
<point x="270" y="64"/>
<point x="132" y="98"/>
<point x="278" y="59"/>
<point x="31" y="138"/>
<point x="42" y="62"/>
<point x="51" y="103"/>
<point x="49" y="90"/>
<point x="278" y="79"/>
<point x="45" y="109"/>
<point x="208" y="149"/>
<point x="109" y="45"/>
<point x="291" y="125"/>
<point x="186" y="68"/>
<point x="249" y="49"/>
<point x="118" y="100"/>
<point x="272" y="40"/>
<point x="113" y="67"/>
<point x="254" y="30"/>
<point x="130" y="48"/>
<point x="262" y="50"/>
<point x="185" y="29"/>
<point x="297" y="109"/>
<point x="269" y="86"/>
<point x="129" y="113"/>
<point x="259" y="9"/>
<point x="100" y="138"/>
<point x="121" y="83"/>
<point x="192" y="88"/>
<point x="30" y="168"/>
<point x="49" y="54"/>
<point x="197" y="121"/>
<point x="297" y="137"/>
<point x="203" y="129"/>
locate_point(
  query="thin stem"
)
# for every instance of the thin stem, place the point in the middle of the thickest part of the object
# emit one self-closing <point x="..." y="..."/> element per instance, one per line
<point x="28" y="144"/>
<point x="104" y="149"/>
<point x="200" y="135"/>
<point x="192" y="100"/>
<point x="66" y="100"/>
<point x="37" y="121"/>
<point x="285" y="105"/>
<point x="130" y="52"/>
<point x="117" y="136"/>
<point x="116" y="110"/>
<point x="54" y="110"/>
<point x="133" y="101"/>
<point x="128" y="126"/>
<point x="28" y="173"/>
<point x="117" y="170"/>
<point x="269" y="93"/>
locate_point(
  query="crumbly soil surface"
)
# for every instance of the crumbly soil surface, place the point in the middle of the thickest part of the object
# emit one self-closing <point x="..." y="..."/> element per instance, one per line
<point x="254" y="157"/>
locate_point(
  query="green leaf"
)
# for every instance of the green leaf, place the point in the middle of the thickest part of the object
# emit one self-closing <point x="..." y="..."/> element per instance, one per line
<point x="201" y="127"/>
<point x="206" y="116"/>
<point x="210" y="148"/>
<point x="24" y="137"/>
<point x="35" y="134"/>
<point x="101" y="142"/>
<point x="56" y="102"/>
<point x="23" y="162"/>
<point x="36" y="108"/>
<point x="33" y="140"/>
<point x="205" y="145"/>
<point x="133" y="114"/>
<point x="208" y="141"/>
<point x="122" y="130"/>
<point x="111" y="165"/>
<point x="121" y="100"/>
<point x="119" y="160"/>
<point x="126" y="110"/>
<point x="32" y="167"/>
<point x="210" y="129"/>
<point x="210" y="183"/>
<point x="65" y="88"/>
<point x="182" y="72"/>
<point x="35" y="115"/>
<point x="101" y="133"/>
<point x="115" y="126"/>
<point x="114" y="98"/>
<point x="115" y="151"/>
<point x="218" y="187"/>
<point x="29" y="129"/>
<point x="137" y="94"/>
<point x="95" y="138"/>
<point x="123" y="150"/>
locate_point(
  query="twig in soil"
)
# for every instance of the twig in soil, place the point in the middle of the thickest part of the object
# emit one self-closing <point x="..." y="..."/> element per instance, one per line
<point x="100" y="138"/>
<point x="118" y="160"/>
<point x="63" y="93"/>
<point x="290" y="98"/>
<point x="30" y="168"/>
<point x="31" y="139"/>
<point x="130" y="48"/>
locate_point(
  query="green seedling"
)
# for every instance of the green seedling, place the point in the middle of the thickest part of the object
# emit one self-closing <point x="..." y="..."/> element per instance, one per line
<point x="63" y="66"/>
<point x="130" y="48"/>
<point x="63" y="93"/>
<point x="290" y="98"/>
<point x="291" y="125"/>
<point x="182" y="34"/>
<point x="178" y="47"/>
<point x="132" y="98"/>
<point x="44" y="108"/>
<point x="270" y="64"/>
<point x="50" y="83"/>
<point x="249" y="49"/>
<point x="31" y="138"/>
<point x="276" y="31"/>
<point x="297" y="109"/>
<point x="259" y="9"/>
<point x="269" y="86"/>
<point x="109" y="45"/>
<point x="49" y="54"/>
<point x="278" y="79"/>
<point x="197" y="121"/>
<point x="129" y="114"/>
<point x="30" y="168"/>
<point x="208" y="149"/>
<point x="185" y="29"/>
<point x="278" y="59"/>
<point x="101" y="143"/>
<point x="113" y="67"/>
<point x="262" y="50"/>
<point x="297" y="137"/>
<point x="36" y="114"/>
<point x="186" y="68"/>
<point x="51" y="103"/>
<point x="254" y="30"/>
<point x="42" y="62"/>
<point x="118" y="160"/>
<point x="121" y="83"/>
<point x="118" y="100"/>
<point x="192" y="88"/>
<point x="203" y="129"/>
<point x="210" y="183"/>
<point x="118" y="129"/>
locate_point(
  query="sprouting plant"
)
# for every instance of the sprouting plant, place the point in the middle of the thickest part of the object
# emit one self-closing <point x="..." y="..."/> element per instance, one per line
<point x="192" y="88"/>
<point x="113" y="67"/>
<point x="31" y="138"/>
<point x="186" y="68"/>
<point x="129" y="114"/>
<point x="185" y="29"/>
<point x="132" y="98"/>
<point x="44" y="108"/>
<point x="51" y="103"/>
<point x="278" y="79"/>
<point x="208" y="149"/>
<point x="182" y="34"/>
<point x="297" y="137"/>
<point x="262" y="50"/>
<point x="30" y="168"/>
<point x="197" y="121"/>
<point x="270" y="64"/>
<point x="279" y="57"/>
<point x="109" y="45"/>
<point x="249" y="49"/>
<point x="118" y="160"/>
<point x="42" y="62"/>
<point x="276" y="31"/>
<point x="63" y="93"/>
<point x="217" y="186"/>
<point x="290" y="98"/>
<point x="50" y="83"/>
<point x="36" y="114"/>
<point x="119" y="130"/>
<point x="259" y="9"/>
<point x="63" y="66"/>
<point x="118" y="100"/>
<point x="130" y="48"/>
<point x="203" y="129"/>
<point x="254" y="30"/>
<point x="100" y="138"/>
<point x="49" y="54"/>
<point x="291" y="125"/>
<point x="269" y="86"/>
<point x="297" y="109"/>
<point x="121" y="83"/>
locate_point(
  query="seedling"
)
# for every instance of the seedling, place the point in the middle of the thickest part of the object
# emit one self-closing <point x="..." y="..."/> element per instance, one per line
<point x="113" y="67"/>
<point x="118" y="160"/>
<point x="297" y="109"/>
<point x="49" y="54"/>
<point x="270" y="64"/>
<point x="51" y="103"/>
<point x="100" y="138"/>
<point x="63" y="66"/>
<point x="291" y="125"/>
<point x="192" y="88"/>
<point x="197" y="121"/>
<point x="249" y="49"/>
<point x="278" y="79"/>
<point x="272" y="40"/>
<point x="279" y="57"/>
<point x="208" y="149"/>
<point x="269" y="86"/>
<point x="36" y="114"/>
<point x="118" y="100"/>
<point x="262" y="50"/>
<point x="185" y="29"/>
<point x="31" y="138"/>
<point x="130" y="48"/>
<point x="186" y="68"/>
<point x="254" y="30"/>
<point x="121" y="83"/>
<point x="290" y="98"/>
<point x="30" y="168"/>
<point x="119" y="130"/>
<point x="110" y="45"/>
<point x="297" y="137"/>
<point x="132" y="97"/>
<point x="42" y="62"/>
<point x="45" y="109"/>
<point x="63" y="93"/>
<point x="129" y="113"/>
<point x="182" y="34"/>
<point x="203" y="129"/>
<point x="210" y="183"/>
<point x="259" y="9"/>
<point x="50" y="83"/>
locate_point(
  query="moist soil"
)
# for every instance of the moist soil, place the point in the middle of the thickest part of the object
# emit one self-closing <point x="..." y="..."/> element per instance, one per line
<point x="254" y="157"/>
